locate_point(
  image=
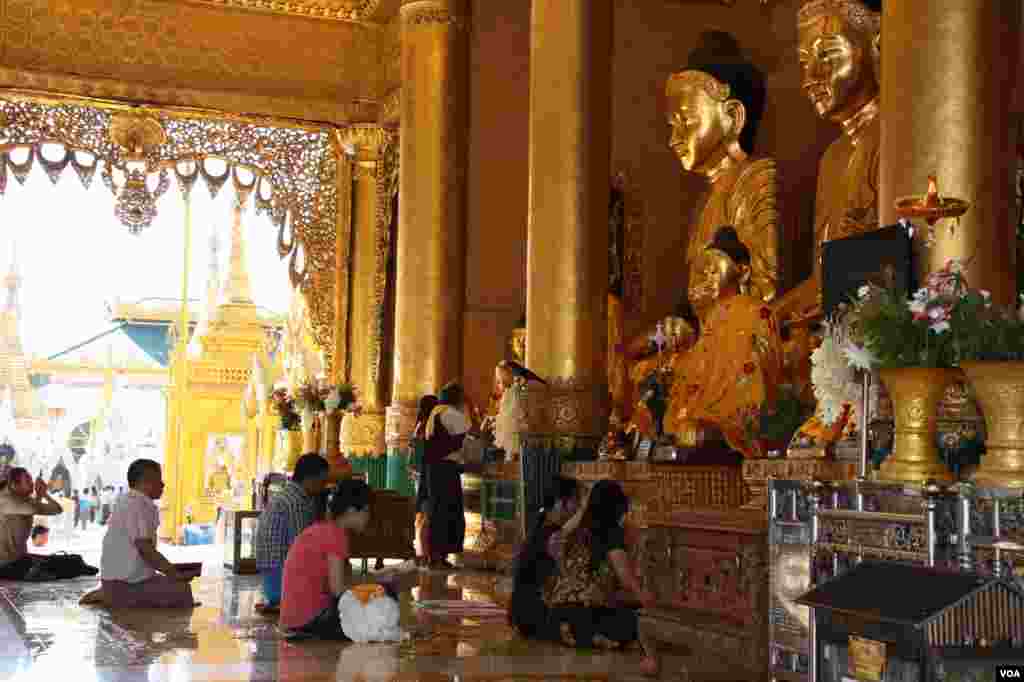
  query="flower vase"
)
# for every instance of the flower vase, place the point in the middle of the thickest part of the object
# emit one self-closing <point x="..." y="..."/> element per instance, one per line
<point x="291" y="443"/>
<point x="331" y="446"/>
<point x="309" y="439"/>
<point x="915" y="393"/>
<point x="999" y="388"/>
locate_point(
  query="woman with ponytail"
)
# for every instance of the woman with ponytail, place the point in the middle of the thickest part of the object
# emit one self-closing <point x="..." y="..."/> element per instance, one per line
<point x="535" y="565"/>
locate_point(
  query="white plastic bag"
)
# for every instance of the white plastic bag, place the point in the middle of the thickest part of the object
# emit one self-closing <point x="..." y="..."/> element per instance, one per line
<point x="374" y="621"/>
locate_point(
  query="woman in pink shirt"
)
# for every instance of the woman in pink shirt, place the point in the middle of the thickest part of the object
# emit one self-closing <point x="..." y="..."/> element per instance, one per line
<point x="315" y="569"/>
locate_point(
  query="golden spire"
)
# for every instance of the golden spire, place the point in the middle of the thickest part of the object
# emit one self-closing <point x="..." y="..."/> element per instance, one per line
<point x="209" y="308"/>
<point x="235" y="286"/>
<point x="12" y="282"/>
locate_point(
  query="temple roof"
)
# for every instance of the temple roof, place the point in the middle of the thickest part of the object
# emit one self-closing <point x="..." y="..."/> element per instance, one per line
<point x="126" y="344"/>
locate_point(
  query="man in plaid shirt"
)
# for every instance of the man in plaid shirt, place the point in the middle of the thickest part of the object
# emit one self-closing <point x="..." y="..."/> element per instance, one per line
<point x="287" y="514"/>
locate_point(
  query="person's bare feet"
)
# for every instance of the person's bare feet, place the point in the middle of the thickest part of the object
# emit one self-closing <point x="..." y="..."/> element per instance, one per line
<point x="649" y="666"/>
<point x="94" y="598"/>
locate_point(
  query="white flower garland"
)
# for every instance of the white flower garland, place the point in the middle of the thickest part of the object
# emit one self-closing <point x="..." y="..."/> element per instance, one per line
<point x="835" y="379"/>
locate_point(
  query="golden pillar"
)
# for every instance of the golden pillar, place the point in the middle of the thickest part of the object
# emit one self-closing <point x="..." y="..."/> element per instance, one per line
<point x="567" y="250"/>
<point x="365" y="146"/>
<point x="948" y="71"/>
<point x="430" y="256"/>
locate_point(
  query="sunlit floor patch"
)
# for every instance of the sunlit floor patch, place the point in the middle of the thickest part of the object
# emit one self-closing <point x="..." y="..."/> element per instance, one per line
<point x="45" y="636"/>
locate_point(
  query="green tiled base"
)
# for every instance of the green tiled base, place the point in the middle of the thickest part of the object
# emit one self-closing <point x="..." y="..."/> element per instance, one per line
<point x="375" y="467"/>
<point x="398" y="474"/>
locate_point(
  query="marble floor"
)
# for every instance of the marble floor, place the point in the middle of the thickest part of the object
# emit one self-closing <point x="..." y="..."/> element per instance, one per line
<point x="46" y="636"/>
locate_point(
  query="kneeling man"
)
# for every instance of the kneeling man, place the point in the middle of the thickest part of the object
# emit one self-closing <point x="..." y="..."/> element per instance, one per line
<point x="132" y="572"/>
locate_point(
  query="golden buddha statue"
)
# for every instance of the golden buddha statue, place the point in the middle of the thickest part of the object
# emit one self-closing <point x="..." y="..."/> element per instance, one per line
<point x="838" y="51"/>
<point x="714" y="109"/>
<point x="219" y="480"/>
<point x="736" y="364"/>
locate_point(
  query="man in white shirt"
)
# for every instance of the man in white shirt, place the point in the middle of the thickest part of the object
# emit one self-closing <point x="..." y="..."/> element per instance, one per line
<point x="132" y="572"/>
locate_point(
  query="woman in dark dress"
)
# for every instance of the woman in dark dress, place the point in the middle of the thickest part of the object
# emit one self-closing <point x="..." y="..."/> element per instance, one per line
<point x="445" y="431"/>
<point x="535" y="566"/>
<point x="419" y="442"/>
<point x="592" y="564"/>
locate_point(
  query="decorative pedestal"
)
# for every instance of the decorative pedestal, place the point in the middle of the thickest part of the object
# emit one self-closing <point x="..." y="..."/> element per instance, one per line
<point x="757" y="473"/>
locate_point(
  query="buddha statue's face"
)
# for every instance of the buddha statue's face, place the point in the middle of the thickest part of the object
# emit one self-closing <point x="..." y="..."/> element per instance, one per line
<point x="703" y="120"/>
<point x="717" y="276"/>
<point x="837" y="67"/>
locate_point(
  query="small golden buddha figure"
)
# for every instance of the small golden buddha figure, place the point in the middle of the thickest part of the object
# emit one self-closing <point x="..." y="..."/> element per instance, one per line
<point x="219" y="481"/>
<point x="736" y="364"/>
<point x="714" y="109"/>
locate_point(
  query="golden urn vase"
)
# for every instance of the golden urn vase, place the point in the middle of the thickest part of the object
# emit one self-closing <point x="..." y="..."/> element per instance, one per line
<point x="999" y="387"/>
<point x="915" y="393"/>
<point x="290" y="443"/>
<point x="331" y="445"/>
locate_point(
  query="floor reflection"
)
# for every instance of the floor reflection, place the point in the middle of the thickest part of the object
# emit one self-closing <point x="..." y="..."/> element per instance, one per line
<point x="45" y="634"/>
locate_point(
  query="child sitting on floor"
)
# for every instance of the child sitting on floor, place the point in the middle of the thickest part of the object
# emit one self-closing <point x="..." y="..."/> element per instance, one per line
<point x="315" y="570"/>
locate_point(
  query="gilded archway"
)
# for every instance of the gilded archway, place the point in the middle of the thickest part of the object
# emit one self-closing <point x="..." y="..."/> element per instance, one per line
<point x="293" y="169"/>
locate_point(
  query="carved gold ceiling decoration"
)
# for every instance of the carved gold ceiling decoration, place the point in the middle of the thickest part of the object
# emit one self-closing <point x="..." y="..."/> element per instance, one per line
<point x="188" y="52"/>
<point x="334" y="10"/>
<point x="295" y="173"/>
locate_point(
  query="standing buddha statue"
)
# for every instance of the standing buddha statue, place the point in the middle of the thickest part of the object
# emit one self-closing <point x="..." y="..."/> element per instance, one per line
<point x="714" y="109"/>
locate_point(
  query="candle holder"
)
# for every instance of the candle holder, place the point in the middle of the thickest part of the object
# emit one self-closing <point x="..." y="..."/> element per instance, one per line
<point x="932" y="208"/>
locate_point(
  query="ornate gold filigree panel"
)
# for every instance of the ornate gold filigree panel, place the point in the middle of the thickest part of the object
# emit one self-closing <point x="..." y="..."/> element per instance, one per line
<point x="631" y="222"/>
<point x="400" y="422"/>
<point x="874" y="534"/>
<point x="429" y="13"/>
<point x="202" y="46"/>
<point x="296" y="169"/>
<point x="391" y="108"/>
<point x="574" y="406"/>
<point x="363" y="435"/>
<point x="332" y="10"/>
<point x="387" y="190"/>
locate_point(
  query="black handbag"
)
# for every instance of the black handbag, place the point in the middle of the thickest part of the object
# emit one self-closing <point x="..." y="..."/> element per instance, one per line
<point x="60" y="566"/>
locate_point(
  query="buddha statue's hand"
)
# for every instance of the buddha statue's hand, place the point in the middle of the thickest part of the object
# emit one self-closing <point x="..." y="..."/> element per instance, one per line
<point x="691" y="433"/>
<point x="856" y="221"/>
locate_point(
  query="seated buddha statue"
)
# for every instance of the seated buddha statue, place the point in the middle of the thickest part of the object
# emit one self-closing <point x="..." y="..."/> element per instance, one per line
<point x="839" y="59"/>
<point x="736" y="364"/>
<point x="714" y="109"/>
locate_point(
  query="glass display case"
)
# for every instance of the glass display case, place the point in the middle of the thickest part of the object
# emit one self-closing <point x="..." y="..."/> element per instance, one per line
<point x="239" y="540"/>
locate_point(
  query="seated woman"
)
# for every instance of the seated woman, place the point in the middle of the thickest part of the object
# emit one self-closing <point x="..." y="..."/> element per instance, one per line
<point x="592" y="561"/>
<point x="536" y="566"/>
<point x="736" y="364"/>
<point x="315" y="569"/>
